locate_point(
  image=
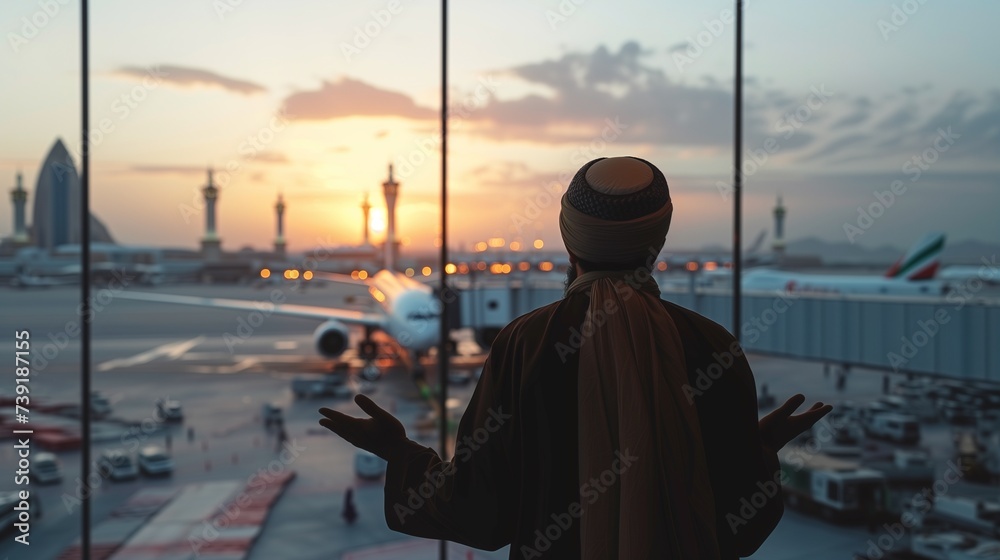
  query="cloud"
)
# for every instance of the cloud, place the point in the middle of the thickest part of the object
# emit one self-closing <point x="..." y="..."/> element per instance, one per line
<point x="351" y="98"/>
<point x="589" y="88"/>
<point x="190" y="77"/>
<point x="168" y="169"/>
<point x="271" y="157"/>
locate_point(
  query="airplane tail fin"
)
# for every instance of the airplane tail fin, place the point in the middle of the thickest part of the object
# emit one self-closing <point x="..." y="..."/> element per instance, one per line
<point x="921" y="262"/>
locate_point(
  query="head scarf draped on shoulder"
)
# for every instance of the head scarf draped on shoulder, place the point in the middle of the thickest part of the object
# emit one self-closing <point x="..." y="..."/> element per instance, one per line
<point x="635" y="421"/>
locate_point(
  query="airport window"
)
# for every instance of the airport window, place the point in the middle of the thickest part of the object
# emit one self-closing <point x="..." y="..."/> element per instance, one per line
<point x="265" y="240"/>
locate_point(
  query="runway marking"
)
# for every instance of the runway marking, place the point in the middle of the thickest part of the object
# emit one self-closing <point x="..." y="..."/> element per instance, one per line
<point x="285" y="358"/>
<point x="171" y="351"/>
<point x="243" y="364"/>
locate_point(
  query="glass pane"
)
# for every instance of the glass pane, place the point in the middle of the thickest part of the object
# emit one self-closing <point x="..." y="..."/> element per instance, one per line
<point x="243" y="139"/>
<point x="875" y="142"/>
<point x="40" y="278"/>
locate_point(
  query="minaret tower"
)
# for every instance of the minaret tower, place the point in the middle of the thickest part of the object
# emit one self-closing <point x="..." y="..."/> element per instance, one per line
<point x="211" y="245"/>
<point x="279" y="241"/>
<point x="366" y="210"/>
<point x="779" y="228"/>
<point x="391" y="189"/>
<point x="18" y="198"/>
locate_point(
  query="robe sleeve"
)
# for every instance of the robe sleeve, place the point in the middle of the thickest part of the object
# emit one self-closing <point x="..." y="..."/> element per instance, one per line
<point x="468" y="500"/>
<point x="745" y="472"/>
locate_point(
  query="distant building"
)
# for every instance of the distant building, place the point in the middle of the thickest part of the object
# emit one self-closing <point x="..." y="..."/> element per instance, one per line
<point x="779" y="230"/>
<point x="56" y="212"/>
<point x="279" y="240"/>
<point x="211" y="245"/>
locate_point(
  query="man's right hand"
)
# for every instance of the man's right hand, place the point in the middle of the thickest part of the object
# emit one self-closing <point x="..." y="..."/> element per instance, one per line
<point x="379" y="434"/>
<point x="780" y="427"/>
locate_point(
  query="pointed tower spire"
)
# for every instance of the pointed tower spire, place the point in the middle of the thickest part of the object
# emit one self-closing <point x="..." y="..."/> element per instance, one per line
<point x="365" y="211"/>
<point x="279" y="240"/>
<point x="211" y="245"/>
<point x="391" y="190"/>
<point x="19" y="198"/>
<point x="779" y="228"/>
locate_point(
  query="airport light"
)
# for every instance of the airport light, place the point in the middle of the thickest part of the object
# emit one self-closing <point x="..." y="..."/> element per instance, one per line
<point x="362" y="274"/>
<point x="692" y="266"/>
<point x="481" y="265"/>
<point x="497" y="242"/>
<point x="450" y="268"/>
<point x="426" y="271"/>
<point x="480" y="247"/>
<point x="354" y="275"/>
<point x="515" y="245"/>
<point x="539" y="244"/>
<point x="545" y="266"/>
<point x="661" y="266"/>
<point x="409" y="272"/>
<point x="506" y="268"/>
<point x="307" y="275"/>
<point x="524" y="266"/>
<point x="711" y="265"/>
<point x="463" y="268"/>
<point x="265" y="273"/>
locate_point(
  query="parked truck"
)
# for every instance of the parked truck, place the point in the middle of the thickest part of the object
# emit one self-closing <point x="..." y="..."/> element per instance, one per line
<point x="962" y="514"/>
<point x="898" y="428"/>
<point x="839" y="490"/>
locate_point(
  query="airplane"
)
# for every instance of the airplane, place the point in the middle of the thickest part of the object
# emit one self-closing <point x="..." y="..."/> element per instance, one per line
<point x="988" y="273"/>
<point x="409" y="312"/>
<point x="54" y="274"/>
<point x="912" y="274"/>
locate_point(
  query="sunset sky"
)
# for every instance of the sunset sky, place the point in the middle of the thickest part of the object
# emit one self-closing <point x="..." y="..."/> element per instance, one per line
<point x="297" y="97"/>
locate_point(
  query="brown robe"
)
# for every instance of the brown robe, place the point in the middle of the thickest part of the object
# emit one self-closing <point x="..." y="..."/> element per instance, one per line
<point x="514" y="478"/>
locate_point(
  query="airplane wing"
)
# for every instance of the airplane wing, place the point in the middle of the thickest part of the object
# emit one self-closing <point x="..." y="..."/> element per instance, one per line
<point x="287" y="309"/>
<point x="337" y="278"/>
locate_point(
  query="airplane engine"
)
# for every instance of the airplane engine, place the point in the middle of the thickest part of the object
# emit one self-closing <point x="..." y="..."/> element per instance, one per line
<point x="332" y="338"/>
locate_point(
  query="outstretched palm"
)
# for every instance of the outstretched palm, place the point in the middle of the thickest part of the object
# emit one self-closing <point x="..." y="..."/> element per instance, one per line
<point x="379" y="434"/>
<point x="780" y="426"/>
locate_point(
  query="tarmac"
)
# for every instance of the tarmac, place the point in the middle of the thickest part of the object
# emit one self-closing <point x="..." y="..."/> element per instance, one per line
<point x="222" y="375"/>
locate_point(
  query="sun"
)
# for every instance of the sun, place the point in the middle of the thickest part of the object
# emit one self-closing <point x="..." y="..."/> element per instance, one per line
<point x="377" y="220"/>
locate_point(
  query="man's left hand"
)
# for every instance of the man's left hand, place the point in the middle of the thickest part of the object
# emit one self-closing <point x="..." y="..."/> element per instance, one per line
<point x="780" y="426"/>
